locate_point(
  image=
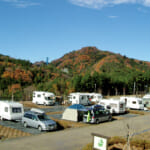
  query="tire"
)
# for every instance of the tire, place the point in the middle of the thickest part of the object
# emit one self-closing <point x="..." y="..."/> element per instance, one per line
<point x="44" y="104"/>
<point x="97" y="121"/>
<point x="40" y="128"/>
<point x="25" y="124"/>
<point x="110" y="119"/>
<point x="1" y="118"/>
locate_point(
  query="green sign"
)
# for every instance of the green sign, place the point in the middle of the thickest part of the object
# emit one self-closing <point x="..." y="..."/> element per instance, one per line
<point x="100" y="142"/>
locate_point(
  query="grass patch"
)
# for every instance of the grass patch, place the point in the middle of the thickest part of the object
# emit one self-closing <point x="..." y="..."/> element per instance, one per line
<point x="53" y="113"/>
<point x="7" y="133"/>
<point x="119" y="143"/>
<point x="137" y="112"/>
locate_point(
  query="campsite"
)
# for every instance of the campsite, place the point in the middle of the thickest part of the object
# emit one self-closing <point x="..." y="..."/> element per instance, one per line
<point x="55" y="112"/>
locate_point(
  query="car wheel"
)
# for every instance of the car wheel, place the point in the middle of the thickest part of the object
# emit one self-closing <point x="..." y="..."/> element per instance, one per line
<point x="25" y="125"/>
<point x="110" y="118"/>
<point x="40" y="128"/>
<point x="97" y="121"/>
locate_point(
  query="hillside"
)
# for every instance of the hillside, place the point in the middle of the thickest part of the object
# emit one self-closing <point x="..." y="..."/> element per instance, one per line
<point x="86" y="70"/>
<point x="91" y="58"/>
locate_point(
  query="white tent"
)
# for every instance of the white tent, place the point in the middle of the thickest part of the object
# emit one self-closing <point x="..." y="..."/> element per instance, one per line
<point x="70" y="114"/>
<point x="73" y="113"/>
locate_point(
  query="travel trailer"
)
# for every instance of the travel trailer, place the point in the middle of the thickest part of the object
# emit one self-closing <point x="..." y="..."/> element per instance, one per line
<point x="43" y="98"/>
<point x="133" y="102"/>
<point x="113" y="105"/>
<point x="11" y="110"/>
<point x="146" y="100"/>
<point x="95" y="97"/>
<point x="79" y="98"/>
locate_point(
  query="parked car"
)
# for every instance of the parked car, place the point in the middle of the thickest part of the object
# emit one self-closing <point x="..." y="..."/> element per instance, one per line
<point x="38" y="119"/>
<point x="95" y="115"/>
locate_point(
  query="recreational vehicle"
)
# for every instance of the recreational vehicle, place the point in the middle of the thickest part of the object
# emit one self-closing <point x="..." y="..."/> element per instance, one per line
<point x="79" y="98"/>
<point x="133" y="102"/>
<point x="146" y="100"/>
<point x="11" y="110"/>
<point x="113" y="105"/>
<point x="43" y="98"/>
<point x="95" y="97"/>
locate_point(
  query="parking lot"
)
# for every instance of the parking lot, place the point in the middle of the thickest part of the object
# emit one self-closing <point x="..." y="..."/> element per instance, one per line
<point x="53" y="112"/>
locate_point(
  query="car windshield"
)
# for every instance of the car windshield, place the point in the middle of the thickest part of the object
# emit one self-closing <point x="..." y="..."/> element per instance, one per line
<point x="43" y="117"/>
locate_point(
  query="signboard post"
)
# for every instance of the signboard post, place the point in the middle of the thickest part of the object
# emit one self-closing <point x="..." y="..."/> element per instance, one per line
<point x="100" y="142"/>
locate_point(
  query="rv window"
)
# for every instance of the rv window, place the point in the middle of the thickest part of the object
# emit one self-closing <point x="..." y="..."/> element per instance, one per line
<point x="6" y="109"/>
<point x="121" y="105"/>
<point x="113" y="105"/>
<point x="140" y="102"/>
<point x="38" y="95"/>
<point x="134" y="102"/>
<point x="108" y="107"/>
<point x="16" y="110"/>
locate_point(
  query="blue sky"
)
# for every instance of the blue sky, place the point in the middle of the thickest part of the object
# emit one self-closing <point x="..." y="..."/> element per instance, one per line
<point x="36" y="29"/>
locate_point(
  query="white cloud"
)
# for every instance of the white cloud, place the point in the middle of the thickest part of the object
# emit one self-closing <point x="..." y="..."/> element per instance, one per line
<point x="21" y="3"/>
<point x="98" y="4"/>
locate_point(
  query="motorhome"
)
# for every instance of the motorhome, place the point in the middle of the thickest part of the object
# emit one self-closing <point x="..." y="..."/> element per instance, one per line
<point x="43" y="98"/>
<point x="133" y="102"/>
<point x="113" y="105"/>
<point x="95" y="97"/>
<point x="146" y="100"/>
<point x="79" y="98"/>
<point x="11" y="110"/>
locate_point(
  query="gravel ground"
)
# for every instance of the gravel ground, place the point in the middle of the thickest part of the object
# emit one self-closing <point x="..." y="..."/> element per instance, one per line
<point x="56" y="108"/>
<point x="19" y="126"/>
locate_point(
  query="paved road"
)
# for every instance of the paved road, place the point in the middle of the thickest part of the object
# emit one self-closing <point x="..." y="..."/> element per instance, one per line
<point x="75" y="139"/>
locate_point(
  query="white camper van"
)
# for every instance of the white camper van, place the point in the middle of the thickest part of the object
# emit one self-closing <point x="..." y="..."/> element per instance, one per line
<point x="113" y="105"/>
<point x="43" y="98"/>
<point x="133" y="102"/>
<point x="11" y="110"/>
<point x="95" y="97"/>
<point x="79" y="98"/>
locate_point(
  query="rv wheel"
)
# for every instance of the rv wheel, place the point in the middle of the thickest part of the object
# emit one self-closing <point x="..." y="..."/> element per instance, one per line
<point x="1" y="118"/>
<point x="39" y="128"/>
<point x="25" y="124"/>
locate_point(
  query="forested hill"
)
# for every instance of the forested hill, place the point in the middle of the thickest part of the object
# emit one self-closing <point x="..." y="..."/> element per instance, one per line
<point x="93" y="59"/>
<point x="86" y="70"/>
